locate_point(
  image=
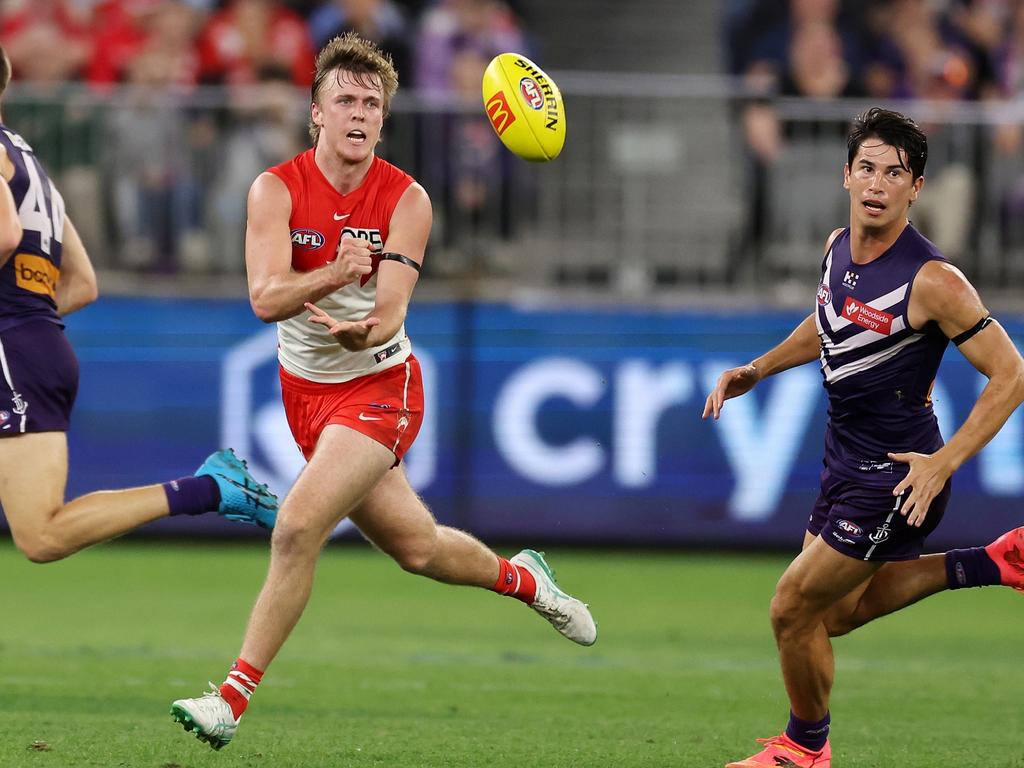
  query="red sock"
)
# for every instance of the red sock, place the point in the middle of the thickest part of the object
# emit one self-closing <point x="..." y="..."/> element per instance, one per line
<point x="515" y="581"/>
<point x="239" y="685"/>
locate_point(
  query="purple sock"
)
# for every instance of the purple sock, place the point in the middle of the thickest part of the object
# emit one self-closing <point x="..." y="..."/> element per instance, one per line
<point x="807" y="734"/>
<point x="970" y="568"/>
<point x="192" y="495"/>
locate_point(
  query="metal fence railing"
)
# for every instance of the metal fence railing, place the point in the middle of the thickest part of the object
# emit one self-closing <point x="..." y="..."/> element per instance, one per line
<point x="655" y="191"/>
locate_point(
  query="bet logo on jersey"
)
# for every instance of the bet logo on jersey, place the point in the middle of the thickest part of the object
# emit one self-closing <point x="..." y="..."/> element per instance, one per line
<point x="376" y="241"/>
<point x="372" y="235"/>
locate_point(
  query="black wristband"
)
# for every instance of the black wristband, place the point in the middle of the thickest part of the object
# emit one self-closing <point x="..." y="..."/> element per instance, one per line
<point x="985" y="322"/>
<point x="401" y="259"/>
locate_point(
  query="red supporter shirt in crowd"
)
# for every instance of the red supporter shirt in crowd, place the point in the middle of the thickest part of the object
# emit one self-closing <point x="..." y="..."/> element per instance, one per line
<point x="224" y="53"/>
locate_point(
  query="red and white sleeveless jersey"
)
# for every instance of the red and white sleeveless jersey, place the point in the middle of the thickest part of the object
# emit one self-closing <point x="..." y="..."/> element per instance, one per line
<point x="321" y="216"/>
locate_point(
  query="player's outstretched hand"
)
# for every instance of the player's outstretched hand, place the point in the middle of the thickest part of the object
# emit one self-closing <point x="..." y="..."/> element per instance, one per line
<point x="926" y="479"/>
<point x="733" y="383"/>
<point x="352" y="335"/>
<point x="353" y="259"/>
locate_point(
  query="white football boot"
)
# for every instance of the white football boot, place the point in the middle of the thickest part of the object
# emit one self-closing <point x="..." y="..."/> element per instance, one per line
<point x="571" y="617"/>
<point x="209" y="716"/>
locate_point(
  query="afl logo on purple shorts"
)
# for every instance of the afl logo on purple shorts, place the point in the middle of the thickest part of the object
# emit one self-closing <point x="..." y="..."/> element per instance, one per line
<point x="850" y="528"/>
<point x="824" y="294"/>
<point x="5" y="416"/>
<point x="307" y="239"/>
<point x="532" y="95"/>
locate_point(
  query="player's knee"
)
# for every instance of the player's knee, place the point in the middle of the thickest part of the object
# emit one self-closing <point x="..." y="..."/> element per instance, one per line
<point x="787" y="610"/>
<point x="414" y="549"/>
<point x="295" y="538"/>
<point x="414" y="554"/>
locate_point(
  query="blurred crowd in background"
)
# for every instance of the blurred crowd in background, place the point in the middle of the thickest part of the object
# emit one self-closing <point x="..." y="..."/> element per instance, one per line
<point x="884" y="51"/>
<point x="235" y="42"/>
<point x="114" y="96"/>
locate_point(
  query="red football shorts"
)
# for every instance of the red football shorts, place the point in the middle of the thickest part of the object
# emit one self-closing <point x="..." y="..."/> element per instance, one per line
<point x="385" y="406"/>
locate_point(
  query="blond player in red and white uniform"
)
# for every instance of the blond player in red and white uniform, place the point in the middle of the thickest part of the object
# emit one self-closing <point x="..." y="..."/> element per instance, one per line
<point x="383" y="396"/>
<point x="334" y="244"/>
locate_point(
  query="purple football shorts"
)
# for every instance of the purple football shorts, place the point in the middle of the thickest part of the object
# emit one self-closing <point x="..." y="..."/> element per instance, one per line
<point x="38" y="379"/>
<point x="864" y="521"/>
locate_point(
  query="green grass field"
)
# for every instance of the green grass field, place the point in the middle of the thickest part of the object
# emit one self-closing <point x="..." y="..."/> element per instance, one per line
<point x="390" y="670"/>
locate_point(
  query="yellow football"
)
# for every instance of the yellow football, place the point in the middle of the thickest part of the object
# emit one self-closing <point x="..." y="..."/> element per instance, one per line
<point x="525" y="107"/>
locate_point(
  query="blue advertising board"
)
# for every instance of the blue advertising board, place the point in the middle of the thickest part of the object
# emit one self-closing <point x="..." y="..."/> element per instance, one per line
<point x="541" y="425"/>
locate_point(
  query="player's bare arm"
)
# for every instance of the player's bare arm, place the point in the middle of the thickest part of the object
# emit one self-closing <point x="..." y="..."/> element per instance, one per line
<point x="10" y="224"/>
<point x="407" y="237"/>
<point x="800" y="347"/>
<point x="76" y="286"/>
<point x="276" y="291"/>
<point x="942" y="294"/>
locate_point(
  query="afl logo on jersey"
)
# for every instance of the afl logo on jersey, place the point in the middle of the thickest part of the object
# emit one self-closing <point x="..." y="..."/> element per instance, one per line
<point x="307" y="239"/>
<point x="824" y="295"/>
<point x="531" y="93"/>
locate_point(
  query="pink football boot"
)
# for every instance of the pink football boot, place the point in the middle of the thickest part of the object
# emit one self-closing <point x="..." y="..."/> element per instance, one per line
<point x="782" y="752"/>
<point x="1007" y="552"/>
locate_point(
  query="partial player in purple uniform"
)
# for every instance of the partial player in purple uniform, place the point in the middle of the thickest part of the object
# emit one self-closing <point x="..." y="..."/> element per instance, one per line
<point x="887" y="306"/>
<point x="45" y="273"/>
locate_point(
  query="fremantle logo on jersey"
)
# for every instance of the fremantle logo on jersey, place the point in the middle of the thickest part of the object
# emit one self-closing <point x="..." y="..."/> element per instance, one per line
<point x="307" y="239"/>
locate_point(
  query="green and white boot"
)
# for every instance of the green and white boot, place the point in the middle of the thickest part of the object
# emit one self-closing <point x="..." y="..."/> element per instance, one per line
<point x="209" y="717"/>
<point x="571" y="617"/>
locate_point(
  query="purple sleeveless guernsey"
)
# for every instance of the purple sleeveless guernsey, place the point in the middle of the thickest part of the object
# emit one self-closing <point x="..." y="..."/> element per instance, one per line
<point x="28" y="281"/>
<point x="878" y="371"/>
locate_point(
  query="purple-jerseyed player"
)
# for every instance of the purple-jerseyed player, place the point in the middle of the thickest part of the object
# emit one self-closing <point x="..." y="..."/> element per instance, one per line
<point x="887" y="307"/>
<point x="45" y="273"/>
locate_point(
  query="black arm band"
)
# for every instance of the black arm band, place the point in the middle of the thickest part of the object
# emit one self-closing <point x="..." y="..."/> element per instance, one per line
<point x="982" y="324"/>
<point x="401" y="259"/>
